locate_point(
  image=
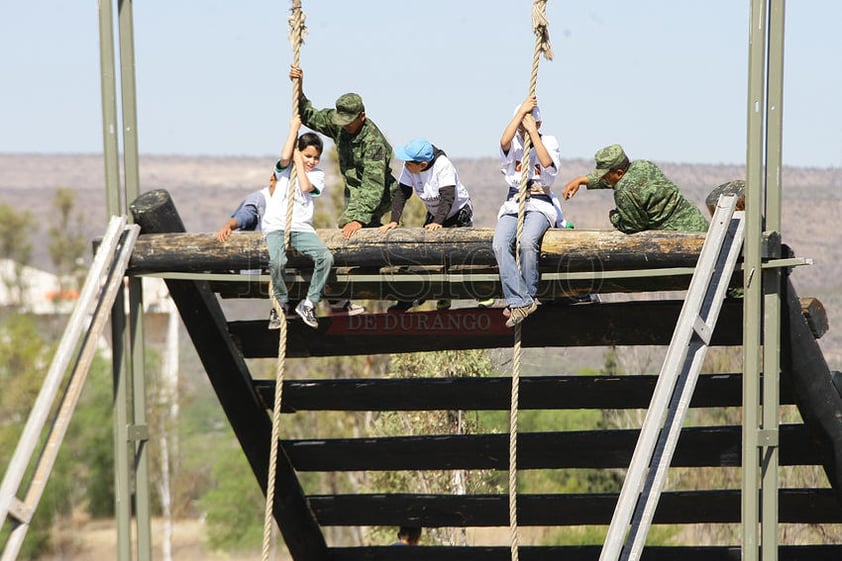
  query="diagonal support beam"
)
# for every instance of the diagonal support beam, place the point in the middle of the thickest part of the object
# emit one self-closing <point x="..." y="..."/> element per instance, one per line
<point x="230" y="377"/>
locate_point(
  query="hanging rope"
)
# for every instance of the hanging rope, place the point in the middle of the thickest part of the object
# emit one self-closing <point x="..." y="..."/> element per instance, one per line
<point x="542" y="46"/>
<point x="297" y="32"/>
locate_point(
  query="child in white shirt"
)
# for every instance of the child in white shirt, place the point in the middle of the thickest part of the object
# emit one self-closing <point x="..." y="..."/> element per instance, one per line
<point x="304" y="153"/>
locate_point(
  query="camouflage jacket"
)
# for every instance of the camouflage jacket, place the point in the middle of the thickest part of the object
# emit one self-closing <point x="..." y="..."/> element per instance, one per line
<point x="364" y="162"/>
<point x="647" y="200"/>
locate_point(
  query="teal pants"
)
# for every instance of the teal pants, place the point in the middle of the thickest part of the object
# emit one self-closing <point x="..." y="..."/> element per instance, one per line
<point x="306" y="243"/>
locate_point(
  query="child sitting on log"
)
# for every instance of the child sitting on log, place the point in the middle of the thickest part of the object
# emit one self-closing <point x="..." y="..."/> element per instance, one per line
<point x="267" y="209"/>
<point x="520" y="284"/>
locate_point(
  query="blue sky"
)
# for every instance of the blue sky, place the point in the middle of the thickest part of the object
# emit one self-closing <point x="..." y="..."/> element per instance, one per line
<point x="665" y="78"/>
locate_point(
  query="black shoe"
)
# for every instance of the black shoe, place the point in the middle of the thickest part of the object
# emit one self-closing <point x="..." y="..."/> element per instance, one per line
<point x="404" y="305"/>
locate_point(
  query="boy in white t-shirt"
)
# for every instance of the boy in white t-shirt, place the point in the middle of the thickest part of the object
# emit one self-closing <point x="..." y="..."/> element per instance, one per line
<point x="542" y="164"/>
<point x="429" y="173"/>
<point x="304" y="153"/>
<point x="265" y="210"/>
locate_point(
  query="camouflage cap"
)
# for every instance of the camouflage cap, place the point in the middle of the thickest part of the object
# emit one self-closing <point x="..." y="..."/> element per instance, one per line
<point x="348" y="107"/>
<point x="606" y="159"/>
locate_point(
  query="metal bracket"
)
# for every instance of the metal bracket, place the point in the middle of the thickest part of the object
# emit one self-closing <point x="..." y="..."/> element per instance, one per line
<point x="137" y="433"/>
<point x="767" y="438"/>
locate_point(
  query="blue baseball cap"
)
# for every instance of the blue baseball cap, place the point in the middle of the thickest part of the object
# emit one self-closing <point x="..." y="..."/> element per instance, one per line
<point x="418" y="150"/>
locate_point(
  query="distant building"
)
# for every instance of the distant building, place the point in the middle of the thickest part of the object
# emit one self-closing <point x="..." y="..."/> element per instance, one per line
<point x="40" y="293"/>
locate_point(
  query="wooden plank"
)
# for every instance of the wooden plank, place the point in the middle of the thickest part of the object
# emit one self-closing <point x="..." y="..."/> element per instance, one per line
<point x="797" y="506"/>
<point x="230" y="377"/>
<point x="585" y="325"/>
<point x="818" y="400"/>
<point x="829" y="552"/>
<point x="561" y="250"/>
<point x="378" y="286"/>
<point x="493" y="393"/>
<point x="599" y="449"/>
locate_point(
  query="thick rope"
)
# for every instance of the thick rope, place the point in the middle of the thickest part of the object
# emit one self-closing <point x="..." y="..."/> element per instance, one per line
<point x="542" y="46"/>
<point x="276" y="428"/>
<point x="297" y="31"/>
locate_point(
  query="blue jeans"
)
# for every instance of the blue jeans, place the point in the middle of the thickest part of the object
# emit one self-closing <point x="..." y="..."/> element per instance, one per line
<point x="308" y="244"/>
<point x="519" y="286"/>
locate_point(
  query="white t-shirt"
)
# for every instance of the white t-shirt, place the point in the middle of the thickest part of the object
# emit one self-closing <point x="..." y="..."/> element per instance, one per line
<point x="427" y="183"/>
<point x="511" y="165"/>
<point x="302" y="208"/>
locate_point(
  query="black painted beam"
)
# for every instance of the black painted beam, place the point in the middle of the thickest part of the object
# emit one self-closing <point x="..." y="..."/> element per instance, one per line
<point x="493" y="393"/>
<point x="576" y="325"/>
<point x="797" y="506"/>
<point x="596" y="449"/>
<point x="230" y="377"/>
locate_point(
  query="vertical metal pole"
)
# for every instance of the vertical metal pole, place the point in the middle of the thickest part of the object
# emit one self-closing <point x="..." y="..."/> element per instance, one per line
<point x="136" y="381"/>
<point x="772" y="288"/>
<point x="111" y="152"/>
<point x="752" y="309"/>
<point x="108" y="85"/>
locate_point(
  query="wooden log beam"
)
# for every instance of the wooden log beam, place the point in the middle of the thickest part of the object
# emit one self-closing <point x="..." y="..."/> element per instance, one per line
<point x="815" y="393"/>
<point x="561" y="251"/>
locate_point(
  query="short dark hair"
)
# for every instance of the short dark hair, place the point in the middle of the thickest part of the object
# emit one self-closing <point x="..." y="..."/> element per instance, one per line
<point x="410" y="533"/>
<point x="623" y="165"/>
<point x="310" y="139"/>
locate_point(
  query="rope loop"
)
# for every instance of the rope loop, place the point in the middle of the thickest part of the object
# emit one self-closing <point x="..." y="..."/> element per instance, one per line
<point x="541" y="28"/>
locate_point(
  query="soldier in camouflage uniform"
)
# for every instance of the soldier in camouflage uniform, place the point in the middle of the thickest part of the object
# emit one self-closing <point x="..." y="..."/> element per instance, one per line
<point x="364" y="157"/>
<point x="645" y="198"/>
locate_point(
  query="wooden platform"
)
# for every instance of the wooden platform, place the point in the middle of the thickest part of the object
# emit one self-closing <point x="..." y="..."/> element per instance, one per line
<point x="224" y="346"/>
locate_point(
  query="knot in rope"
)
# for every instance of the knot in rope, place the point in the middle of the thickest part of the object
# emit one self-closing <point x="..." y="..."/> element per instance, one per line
<point x="541" y="28"/>
<point x="297" y="29"/>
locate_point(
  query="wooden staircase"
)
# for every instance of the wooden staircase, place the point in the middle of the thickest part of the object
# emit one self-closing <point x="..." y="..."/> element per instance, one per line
<point x="224" y="346"/>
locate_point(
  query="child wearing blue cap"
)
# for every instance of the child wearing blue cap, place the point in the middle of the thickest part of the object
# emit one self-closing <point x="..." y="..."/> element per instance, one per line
<point x="429" y="173"/>
<point x="541" y="164"/>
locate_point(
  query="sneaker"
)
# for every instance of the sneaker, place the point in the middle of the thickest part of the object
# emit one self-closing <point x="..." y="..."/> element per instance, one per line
<point x="487" y="303"/>
<point x="404" y="305"/>
<point x="520" y="313"/>
<point x="307" y="313"/>
<point x="346" y="307"/>
<point x="443" y="304"/>
<point x="274" y="319"/>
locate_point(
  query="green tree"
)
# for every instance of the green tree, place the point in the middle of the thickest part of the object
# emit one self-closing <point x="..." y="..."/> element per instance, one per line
<point x="24" y="354"/>
<point x="234" y="505"/>
<point x="452" y="364"/>
<point x="16" y="226"/>
<point x="67" y="243"/>
<point x="90" y="438"/>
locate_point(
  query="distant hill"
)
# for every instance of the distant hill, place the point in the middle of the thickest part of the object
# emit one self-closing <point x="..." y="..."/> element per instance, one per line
<point x="206" y="190"/>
